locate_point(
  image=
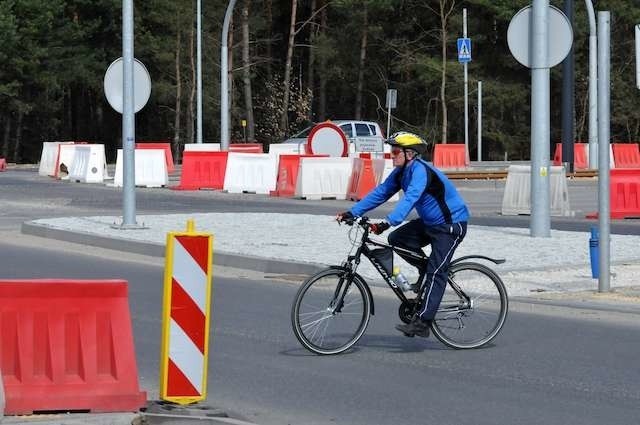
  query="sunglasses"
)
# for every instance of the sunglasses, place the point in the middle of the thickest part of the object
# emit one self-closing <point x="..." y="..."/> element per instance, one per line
<point x="396" y="152"/>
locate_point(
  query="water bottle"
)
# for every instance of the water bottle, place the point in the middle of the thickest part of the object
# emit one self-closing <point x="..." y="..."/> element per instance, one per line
<point x="400" y="279"/>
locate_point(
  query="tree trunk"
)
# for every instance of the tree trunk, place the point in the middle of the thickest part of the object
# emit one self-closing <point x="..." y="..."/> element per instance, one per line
<point x="268" y="12"/>
<point x="192" y="92"/>
<point x="7" y="134"/>
<point x="363" y="57"/>
<point x="312" y="58"/>
<point x="322" y="96"/>
<point x="18" y="141"/>
<point x="284" y="118"/>
<point x="176" y="122"/>
<point x="246" y="74"/>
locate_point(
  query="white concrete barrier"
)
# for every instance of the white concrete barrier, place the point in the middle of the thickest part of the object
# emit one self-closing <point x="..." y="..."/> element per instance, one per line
<point x="324" y="178"/>
<point x="202" y="147"/>
<point x="251" y="172"/>
<point x="517" y="192"/>
<point x="48" y="158"/>
<point x="89" y="164"/>
<point x="150" y="168"/>
<point x="287" y="148"/>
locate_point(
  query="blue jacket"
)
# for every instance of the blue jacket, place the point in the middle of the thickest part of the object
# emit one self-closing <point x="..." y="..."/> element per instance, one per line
<point x="426" y="188"/>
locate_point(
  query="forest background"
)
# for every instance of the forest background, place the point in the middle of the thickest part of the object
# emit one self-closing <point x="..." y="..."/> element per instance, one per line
<point x="292" y="62"/>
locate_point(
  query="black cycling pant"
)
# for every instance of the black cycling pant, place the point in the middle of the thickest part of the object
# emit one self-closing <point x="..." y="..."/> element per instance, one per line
<point x="444" y="239"/>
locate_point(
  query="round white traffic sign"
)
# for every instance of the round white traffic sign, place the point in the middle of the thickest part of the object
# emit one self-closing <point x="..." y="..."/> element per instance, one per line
<point x="327" y="139"/>
<point x="559" y="36"/>
<point x="113" y="85"/>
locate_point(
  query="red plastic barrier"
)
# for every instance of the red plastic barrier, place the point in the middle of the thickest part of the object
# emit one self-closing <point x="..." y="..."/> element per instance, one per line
<point x="67" y="345"/>
<point x="166" y="146"/>
<point x="580" y="156"/>
<point x="363" y="179"/>
<point x="450" y="155"/>
<point x="202" y="170"/>
<point x="246" y="147"/>
<point x="624" y="193"/>
<point x="288" y="166"/>
<point x="3" y="164"/>
<point x="626" y="155"/>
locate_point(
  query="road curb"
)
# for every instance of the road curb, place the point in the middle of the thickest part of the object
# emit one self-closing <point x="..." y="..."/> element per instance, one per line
<point x="220" y="258"/>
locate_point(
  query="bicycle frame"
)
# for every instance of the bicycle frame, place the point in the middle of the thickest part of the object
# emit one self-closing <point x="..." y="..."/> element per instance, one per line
<point x="353" y="261"/>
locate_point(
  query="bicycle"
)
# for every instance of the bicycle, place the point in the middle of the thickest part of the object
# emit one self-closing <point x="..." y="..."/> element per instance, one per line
<point x="332" y="308"/>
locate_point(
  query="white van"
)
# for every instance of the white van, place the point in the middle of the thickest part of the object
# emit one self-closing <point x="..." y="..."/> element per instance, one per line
<point x="351" y="129"/>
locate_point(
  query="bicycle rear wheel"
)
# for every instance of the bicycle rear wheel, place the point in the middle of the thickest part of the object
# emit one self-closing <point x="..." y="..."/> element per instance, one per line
<point x="330" y="312"/>
<point x="473" y="309"/>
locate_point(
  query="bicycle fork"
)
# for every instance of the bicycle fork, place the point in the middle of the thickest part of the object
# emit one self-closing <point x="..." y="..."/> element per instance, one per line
<point x="342" y="288"/>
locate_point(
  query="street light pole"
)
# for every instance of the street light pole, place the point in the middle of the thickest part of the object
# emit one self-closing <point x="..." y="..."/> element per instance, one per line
<point x="224" y="79"/>
<point x="199" y="72"/>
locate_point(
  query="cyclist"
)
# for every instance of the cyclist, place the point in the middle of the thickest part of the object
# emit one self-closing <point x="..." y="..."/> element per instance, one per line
<point x="442" y="223"/>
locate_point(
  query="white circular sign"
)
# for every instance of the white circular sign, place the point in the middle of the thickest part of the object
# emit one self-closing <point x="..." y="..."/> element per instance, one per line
<point x="327" y="139"/>
<point x="113" y="79"/>
<point x="559" y="36"/>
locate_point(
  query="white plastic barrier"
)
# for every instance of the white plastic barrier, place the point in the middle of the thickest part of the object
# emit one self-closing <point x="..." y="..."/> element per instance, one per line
<point x="202" y="147"/>
<point x="150" y="168"/>
<point x="324" y="178"/>
<point x="49" y="157"/>
<point x="251" y="172"/>
<point x="287" y="148"/>
<point x="382" y="168"/>
<point x="517" y="192"/>
<point x="89" y="164"/>
<point x="66" y="156"/>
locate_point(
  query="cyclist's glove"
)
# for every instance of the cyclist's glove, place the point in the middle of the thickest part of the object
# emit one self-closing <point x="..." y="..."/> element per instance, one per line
<point x="378" y="228"/>
<point x="345" y="217"/>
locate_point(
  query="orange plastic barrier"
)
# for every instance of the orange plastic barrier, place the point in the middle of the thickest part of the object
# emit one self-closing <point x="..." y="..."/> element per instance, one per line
<point x="166" y="146"/>
<point x="626" y="155"/>
<point x="288" y="166"/>
<point x="363" y="179"/>
<point x="67" y="345"/>
<point x="246" y="147"/>
<point x="3" y="164"/>
<point x="450" y="155"/>
<point x="202" y="170"/>
<point x="624" y="193"/>
<point x="580" y="156"/>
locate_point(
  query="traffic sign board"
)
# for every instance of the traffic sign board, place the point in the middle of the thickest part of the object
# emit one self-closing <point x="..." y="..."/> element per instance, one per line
<point x="464" y="50"/>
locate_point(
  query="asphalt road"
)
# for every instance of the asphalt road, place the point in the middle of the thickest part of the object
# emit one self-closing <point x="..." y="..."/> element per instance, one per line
<point x="552" y="365"/>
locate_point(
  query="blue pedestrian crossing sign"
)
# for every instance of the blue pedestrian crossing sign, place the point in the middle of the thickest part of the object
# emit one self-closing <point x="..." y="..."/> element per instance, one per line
<point x="464" y="50"/>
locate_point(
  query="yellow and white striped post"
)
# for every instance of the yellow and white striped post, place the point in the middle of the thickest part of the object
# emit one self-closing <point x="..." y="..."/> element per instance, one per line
<point x="185" y="316"/>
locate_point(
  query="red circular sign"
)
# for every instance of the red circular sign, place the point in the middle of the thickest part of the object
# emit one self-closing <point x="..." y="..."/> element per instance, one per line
<point x="327" y="139"/>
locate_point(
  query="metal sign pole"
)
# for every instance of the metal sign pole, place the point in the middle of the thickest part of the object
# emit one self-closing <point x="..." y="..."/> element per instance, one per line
<point x="466" y="89"/>
<point x="540" y="120"/>
<point x="593" y="87"/>
<point x="128" y="119"/>
<point x="604" y="57"/>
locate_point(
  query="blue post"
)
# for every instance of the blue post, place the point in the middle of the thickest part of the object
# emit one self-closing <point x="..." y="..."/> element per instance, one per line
<point x="593" y="253"/>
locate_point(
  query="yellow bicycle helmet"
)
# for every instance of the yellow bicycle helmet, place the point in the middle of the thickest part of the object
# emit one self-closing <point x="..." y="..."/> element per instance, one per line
<point x="406" y="140"/>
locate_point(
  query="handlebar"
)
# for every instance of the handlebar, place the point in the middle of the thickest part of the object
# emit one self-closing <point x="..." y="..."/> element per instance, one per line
<point x="362" y="221"/>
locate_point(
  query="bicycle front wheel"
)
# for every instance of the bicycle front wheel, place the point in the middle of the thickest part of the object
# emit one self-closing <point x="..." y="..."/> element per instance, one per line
<point x="331" y="311"/>
<point x="473" y="309"/>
